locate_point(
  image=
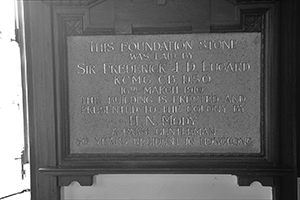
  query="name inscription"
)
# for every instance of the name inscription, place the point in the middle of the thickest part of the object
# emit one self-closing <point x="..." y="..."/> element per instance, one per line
<point x="187" y="93"/>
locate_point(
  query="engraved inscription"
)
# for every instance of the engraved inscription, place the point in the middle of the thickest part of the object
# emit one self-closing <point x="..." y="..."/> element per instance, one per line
<point x="188" y="93"/>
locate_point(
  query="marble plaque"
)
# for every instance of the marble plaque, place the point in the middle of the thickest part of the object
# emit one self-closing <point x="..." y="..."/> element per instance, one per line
<point x="183" y="93"/>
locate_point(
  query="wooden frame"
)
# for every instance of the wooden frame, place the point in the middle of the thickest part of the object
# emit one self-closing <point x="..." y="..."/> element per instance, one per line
<point x="71" y="22"/>
<point x="48" y="86"/>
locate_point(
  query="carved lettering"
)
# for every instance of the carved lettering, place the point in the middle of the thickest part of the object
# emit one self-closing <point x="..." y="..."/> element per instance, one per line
<point x="222" y="141"/>
<point x="85" y="69"/>
<point x="177" y="121"/>
<point x="122" y="69"/>
<point x="217" y="44"/>
<point x="96" y="47"/>
<point x="156" y="46"/>
<point x="196" y="79"/>
<point x="111" y="141"/>
<point x="155" y="141"/>
<point x="186" y="93"/>
<point x="225" y="67"/>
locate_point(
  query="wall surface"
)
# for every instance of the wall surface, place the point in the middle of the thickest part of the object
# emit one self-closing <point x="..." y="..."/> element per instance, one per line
<point x="201" y="187"/>
<point x="11" y="110"/>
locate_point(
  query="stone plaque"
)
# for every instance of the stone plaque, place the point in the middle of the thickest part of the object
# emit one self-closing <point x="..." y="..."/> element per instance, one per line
<point x="183" y="93"/>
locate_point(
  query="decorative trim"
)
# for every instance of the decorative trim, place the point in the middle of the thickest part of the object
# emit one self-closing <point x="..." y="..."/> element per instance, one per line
<point x="250" y="21"/>
<point x="72" y="2"/>
<point x="235" y="2"/>
<point x="245" y="175"/>
<point x="255" y="1"/>
<point x="73" y="26"/>
<point x="248" y="180"/>
<point x="144" y="30"/>
<point x="253" y="22"/>
<point x="82" y="180"/>
<point x="68" y="26"/>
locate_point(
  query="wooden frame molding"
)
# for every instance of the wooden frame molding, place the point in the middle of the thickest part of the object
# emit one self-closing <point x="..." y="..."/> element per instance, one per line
<point x="49" y="23"/>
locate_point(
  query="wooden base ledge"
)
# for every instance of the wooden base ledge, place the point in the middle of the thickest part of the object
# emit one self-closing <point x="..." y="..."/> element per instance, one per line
<point x="84" y="176"/>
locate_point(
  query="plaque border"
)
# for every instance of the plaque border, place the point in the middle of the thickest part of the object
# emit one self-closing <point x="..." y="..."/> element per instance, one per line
<point x="187" y="152"/>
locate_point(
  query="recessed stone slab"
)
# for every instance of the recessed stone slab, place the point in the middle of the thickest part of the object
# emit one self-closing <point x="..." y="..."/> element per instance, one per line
<point x="181" y="93"/>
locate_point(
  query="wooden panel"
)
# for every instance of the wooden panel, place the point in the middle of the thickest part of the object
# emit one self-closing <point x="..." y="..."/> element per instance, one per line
<point x="101" y="14"/>
<point x="153" y="15"/>
<point x="289" y="63"/>
<point x="74" y="21"/>
<point x="41" y="99"/>
<point x="51" y="22"/>
<point x="224" y="13"/>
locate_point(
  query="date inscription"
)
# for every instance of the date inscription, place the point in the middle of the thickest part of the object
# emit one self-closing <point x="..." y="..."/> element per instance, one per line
<point x="183" y="93"/>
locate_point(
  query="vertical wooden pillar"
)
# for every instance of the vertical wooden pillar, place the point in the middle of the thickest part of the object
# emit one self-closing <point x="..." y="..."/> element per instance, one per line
<point x="289" y="62"/>
<point x="41" y="106"/>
